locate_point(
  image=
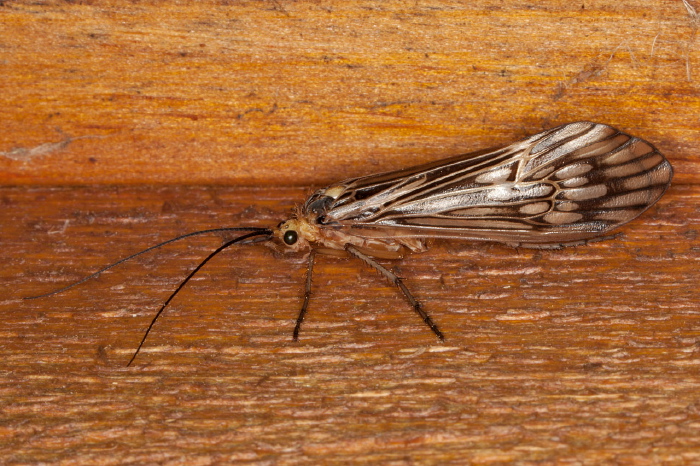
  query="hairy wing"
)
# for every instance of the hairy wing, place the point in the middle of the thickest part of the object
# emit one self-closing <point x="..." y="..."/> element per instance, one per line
<point x="570" y="183"/>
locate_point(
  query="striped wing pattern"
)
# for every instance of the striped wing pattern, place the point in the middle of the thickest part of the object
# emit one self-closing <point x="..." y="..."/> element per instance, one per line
<point x="570" y="183"/>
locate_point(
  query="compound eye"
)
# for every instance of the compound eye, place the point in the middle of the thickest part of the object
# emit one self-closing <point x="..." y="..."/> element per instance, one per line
<point x="290" y="237"/>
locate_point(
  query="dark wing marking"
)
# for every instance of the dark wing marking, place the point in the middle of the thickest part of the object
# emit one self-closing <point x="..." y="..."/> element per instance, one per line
<point x="573" y="182"/>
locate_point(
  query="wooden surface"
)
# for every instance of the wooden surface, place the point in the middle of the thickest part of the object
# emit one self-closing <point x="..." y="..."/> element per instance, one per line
<point x="125" y="124"/>
<point x="276" y="92"/>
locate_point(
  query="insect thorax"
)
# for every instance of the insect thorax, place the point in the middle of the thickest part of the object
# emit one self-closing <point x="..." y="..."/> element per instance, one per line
<point x="313" y="232"/>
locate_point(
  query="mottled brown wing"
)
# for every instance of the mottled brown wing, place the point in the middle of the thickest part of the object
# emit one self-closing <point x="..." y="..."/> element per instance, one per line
<point x="571" y="183"/>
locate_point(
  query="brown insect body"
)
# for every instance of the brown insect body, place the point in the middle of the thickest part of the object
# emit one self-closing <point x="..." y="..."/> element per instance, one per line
<point x="313" y="235"/>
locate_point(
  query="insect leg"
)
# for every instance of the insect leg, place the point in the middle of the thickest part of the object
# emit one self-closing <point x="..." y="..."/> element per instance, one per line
<point x="393" y="278"/>
<point x="307" y="295"/>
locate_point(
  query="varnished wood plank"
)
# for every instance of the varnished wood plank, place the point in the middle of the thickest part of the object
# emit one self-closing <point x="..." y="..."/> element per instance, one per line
<point x="587" y="352"/>
<point x="268" y="92"/>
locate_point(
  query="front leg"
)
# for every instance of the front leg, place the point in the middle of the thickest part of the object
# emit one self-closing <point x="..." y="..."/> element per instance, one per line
<point x="307" y="295"/>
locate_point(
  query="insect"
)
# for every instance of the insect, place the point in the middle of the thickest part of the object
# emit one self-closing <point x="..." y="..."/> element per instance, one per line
<point x="564" y="186"/>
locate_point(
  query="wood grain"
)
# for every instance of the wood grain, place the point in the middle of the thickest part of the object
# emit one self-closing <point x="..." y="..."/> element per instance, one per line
<point x="588" y="352"/>
<point x="128" y="124"/>
<point x="269" y="92"/>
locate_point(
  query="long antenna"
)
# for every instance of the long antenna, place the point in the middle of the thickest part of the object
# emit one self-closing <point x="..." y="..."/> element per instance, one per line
<point x="266" y="233"/>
